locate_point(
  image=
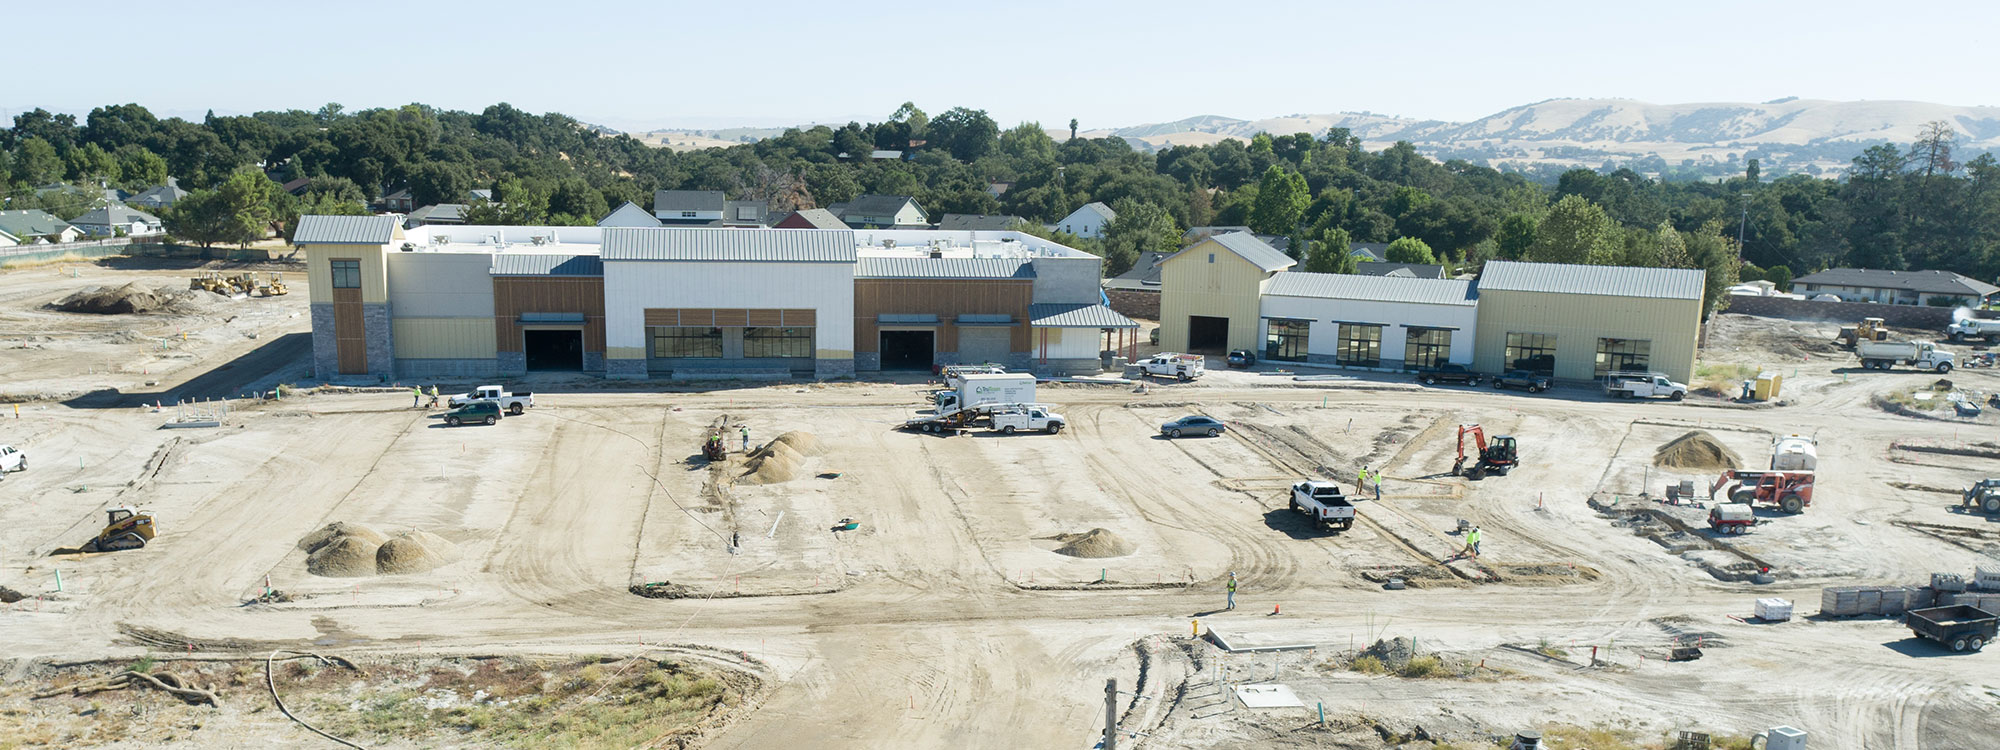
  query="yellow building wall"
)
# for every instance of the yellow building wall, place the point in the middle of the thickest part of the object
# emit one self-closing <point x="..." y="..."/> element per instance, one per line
<point x="1228" y="288"/>
<point x="1579" y="320"/>
<point x="319" y="271"/>
<point x="444" y="338"/>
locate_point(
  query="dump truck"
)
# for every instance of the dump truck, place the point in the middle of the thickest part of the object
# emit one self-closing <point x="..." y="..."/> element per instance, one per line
<point x="1794" y="453"/>
<point x="1869" y="329"/>
<point x="1985" y="329"/>
<point x="1961" y="628"/>
<point x="1643" y="385"/>
<point x="1883" y="355"/>
<point x="1324" y="503"/>
<point x="1173" y="365"/>
<point x="512" y="403"/>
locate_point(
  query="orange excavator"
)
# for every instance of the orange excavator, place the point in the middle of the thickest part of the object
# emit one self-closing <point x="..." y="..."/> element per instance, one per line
<point x="1492" y="458"/>
<point x="1791" y="491"/>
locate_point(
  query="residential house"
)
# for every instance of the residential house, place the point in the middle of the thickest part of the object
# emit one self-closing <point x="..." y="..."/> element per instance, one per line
<point x="399" y="202"/>
<point x="1144" y="275"/>
<point x="34" y="226"/>
<point x="628" y="215"/>
<point x="111" y="220"/>
<point x="698" y="208"/>
<point x="1942" y="288"/>
<point x="810" y="218"/>
<point x="1089" y="222"/>
<point x="881" y="212"/>
<point x="750" y="214"/>
<point x="162" y="196"/>
<point x="296" y="186"/>
<point x="1369" y="252"/>
<point x="1404" y="270"/>
<point x="979" y="222"/>
<point x="8" y="240"/>
<point x="442" y="213"/>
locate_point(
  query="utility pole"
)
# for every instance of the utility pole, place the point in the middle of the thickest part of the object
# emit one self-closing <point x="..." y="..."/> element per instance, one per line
<point x="1111" y="714"/>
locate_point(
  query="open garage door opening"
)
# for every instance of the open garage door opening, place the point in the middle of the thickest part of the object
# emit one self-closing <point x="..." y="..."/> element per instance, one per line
<point x="1207" y="335"/>
<point x="908" y="350"/>
<point x="554" y="350"/>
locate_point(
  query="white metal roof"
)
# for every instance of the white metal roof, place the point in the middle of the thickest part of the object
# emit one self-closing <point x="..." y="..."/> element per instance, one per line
<point x="1611" y="281"/>
<point x="732" y="245"/>
<point x="1251" y="249"/>
<point x="345" y="230"/>
<point x="1372" y="288"/>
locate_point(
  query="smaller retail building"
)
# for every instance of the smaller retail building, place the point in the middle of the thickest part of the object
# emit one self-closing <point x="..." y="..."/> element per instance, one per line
<point x="1574" y="322"/>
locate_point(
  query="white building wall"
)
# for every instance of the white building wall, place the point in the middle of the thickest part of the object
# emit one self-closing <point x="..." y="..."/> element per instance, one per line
<point x="667" y="215"/>
<point x="1086" y="224"/>
<point x="632" y="286"/>
<point x="440" y="285"/>
<point x="1067" y="343"/>
<point x="1394" y="317"/>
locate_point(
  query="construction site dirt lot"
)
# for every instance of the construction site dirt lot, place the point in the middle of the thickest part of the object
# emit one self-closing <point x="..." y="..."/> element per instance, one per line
<point x="973" y="603"/>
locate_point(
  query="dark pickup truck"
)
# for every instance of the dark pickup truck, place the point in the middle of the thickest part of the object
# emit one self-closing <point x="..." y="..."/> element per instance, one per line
<point x="1960" y="628"/>
<point x="1448" y="373"/>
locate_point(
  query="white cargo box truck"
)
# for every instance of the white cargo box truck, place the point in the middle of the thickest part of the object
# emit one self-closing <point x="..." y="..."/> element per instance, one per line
<point x="981" y="389"/>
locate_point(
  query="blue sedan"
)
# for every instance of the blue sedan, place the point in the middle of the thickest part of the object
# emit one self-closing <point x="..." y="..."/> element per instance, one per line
<point x="1193" y="425"/>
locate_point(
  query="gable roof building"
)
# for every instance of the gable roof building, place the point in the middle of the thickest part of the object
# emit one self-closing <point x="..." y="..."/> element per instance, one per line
<point x="628" y="215"/>
<point x="112" y="219"/>
<point x="979" y="222"/>
<point x="33" y="226"/>
<point x="442" y="213"/>
<point x="1088" y="220"/>
<point x="745" y="213"/>
<point x="810" y="218"/>
<point x="881" y="212"/>
<point x="160" y="196"/>
<point x="1894" y="287"/>
<point x="1406" y="270"/>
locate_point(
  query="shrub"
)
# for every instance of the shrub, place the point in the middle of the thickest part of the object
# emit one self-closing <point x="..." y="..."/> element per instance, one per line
<point x="1368" y="665"/>
<point x="1424" y="666"/>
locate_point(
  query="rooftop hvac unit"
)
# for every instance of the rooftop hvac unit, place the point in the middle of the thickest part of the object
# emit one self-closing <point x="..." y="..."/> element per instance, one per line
<point x="409" y="247"/>
<point x="889" y="244"/>
<point x="539" y="240"/>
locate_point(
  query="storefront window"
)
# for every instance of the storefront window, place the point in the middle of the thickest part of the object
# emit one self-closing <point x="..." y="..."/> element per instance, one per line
<point x="1615" y="355"/>
<point x="1360" y="345"/>
<point x="1426" y="347"/>
<point x="759" y="342"/>
<point x="1285" y="339"/>
<point x="679" y="342"/>
<point x="1534" y="352"/>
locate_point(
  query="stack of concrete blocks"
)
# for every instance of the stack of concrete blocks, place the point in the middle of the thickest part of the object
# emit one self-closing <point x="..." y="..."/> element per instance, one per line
<point x="1840" y="601"/>
<point x="1773" y="609"/>
<point x="1986" y="579"/>
<point x="1920" y="597"/>
<point x="1895" y="599"/>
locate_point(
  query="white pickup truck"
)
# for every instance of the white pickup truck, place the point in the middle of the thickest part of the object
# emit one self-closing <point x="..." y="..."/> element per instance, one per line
<point x="12" y="459"/>
<point x="1009" y="419"/>
<point x="1171" y="365"/>
<point x="1324" y="503"/>
<point x="1643" y="385"/>
<point x="512" y="403"/>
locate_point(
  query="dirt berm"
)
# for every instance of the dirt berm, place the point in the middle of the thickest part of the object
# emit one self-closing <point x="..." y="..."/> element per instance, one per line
<point x="1696" y="450"/>
<point x="127" y="299"/>
<point x="1094" y="543"/>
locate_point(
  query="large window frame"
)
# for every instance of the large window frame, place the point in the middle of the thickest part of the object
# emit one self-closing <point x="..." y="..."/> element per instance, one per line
<point x="1285" y="339"/>
<point x="346" y="273"/>
<point x="770" y="342"/>
<point x="1534" y="352"/>
<point x="1426" y="347"/>
<point x="1623" y="355"/>
<point x="1360" y="345"/>
<point x="684" y="342"/>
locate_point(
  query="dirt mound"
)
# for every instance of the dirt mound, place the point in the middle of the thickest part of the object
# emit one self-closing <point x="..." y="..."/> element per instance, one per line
<point x="1393" y="652"/>
<point x="774" y="463"/>
<point x="1094" y="543"/>
<point x="1696" y="450"/>
<point x="9" y="596"/>
<point x="343" y="557"/>
<point x="414" y="551"/>
<point x="127" y="299"/>
<point x="320" y="538"/>
<point x="805" y="443"/>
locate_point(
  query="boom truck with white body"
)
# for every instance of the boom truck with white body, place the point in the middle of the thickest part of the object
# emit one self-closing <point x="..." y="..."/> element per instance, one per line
<point x="1883" y="355"/>
<point x="971" y="397"/>
<point x="1172" y="365"/>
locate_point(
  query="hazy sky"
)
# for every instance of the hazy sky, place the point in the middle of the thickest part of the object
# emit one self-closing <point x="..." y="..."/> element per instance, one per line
<point x="712" y="64"/>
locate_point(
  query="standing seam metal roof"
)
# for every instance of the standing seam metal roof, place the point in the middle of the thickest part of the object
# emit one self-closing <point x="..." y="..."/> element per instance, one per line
<point x="546" y="264"/>
<point x="1056" y="315"/>
<point x="1610" y="281"/>
<point x="944" y="268"/>
<point x="1372" y="288"/>
<point x="1252" y="249"/>
<point x="731" y="245"/>
<point x="345" y="230"/>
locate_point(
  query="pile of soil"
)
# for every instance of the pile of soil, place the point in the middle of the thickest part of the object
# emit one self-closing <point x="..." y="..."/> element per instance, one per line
<point x="124" y="300"/>
<point x="9" y="596"/>
<point x="343" y="557"/>
<point x="319" y="538"/>
<point x="774" y="463"/>
<point x="805" y="443"/>
<point x="414" y="551"/>
<point x="1094" y="543"/>
<point x="1394" y="652"/>
<point x="1696" y="450"/>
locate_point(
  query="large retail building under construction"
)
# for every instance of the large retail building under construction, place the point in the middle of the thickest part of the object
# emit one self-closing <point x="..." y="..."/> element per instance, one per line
<point x="695" y="302"/>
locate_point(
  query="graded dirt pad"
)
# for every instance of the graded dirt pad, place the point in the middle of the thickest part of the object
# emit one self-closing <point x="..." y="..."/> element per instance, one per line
<point x="343" y="557"/>
<point x="414" y="551"/>
<point x="1696" y="450"/>
<point x="124" y="300"/>
<point x="331" y="531"/>
<point x="1094" y="543"/>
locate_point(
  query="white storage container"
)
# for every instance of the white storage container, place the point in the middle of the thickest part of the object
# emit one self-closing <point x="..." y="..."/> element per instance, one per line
<point x="1773" y="609"/>
<point x="1785" y="738"/>
<point x="1986" y="578"/>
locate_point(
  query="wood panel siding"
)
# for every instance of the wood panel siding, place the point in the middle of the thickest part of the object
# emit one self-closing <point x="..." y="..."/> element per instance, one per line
<point x="945" y="298"/>
<point x="696" y="316"/>
<point x="731" y="318"/>
<point x="514" y="295"/>
<point x="350" y="332"/>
